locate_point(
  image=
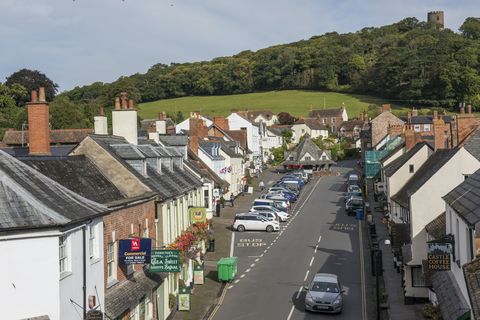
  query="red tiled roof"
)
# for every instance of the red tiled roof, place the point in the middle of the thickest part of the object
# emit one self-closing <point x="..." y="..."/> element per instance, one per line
<point x="63" y="136"/>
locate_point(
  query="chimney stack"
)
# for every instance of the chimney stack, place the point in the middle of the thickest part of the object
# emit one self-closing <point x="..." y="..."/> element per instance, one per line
<point x="161" y="124"/>
<point x="38" y="124"/>
<point x="193" y="144"/>
<point x="414" y="112"/>
<point x="100" y="123"/>
<point x="409" y="137"/>
<point x="362" y="116"/>
<point x="124" y="121"/>
<point x="117" y="103"/>
<point x="409" y="117"/>
<point x="386" y="107"/>
<point x="130" y="104"/>
<point x="221" y="122"/>
<point x="438" y="131"/>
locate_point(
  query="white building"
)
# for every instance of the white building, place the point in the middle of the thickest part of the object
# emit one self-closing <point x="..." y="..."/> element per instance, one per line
<point x="185" y="124"/>
<point x="271" y="138"/>
<point x="50" y="236"/>
<point x="419" y="201"/>
<point x="310" y="126"/>
<point x="238" y="122"/>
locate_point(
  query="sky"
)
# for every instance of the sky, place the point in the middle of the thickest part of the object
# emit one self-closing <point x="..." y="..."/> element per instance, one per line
<point x="78" y="42"/>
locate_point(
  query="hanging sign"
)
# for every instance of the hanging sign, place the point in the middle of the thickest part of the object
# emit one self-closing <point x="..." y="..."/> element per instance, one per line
<point x="184" y="299"/>
<point x="134" y="251"/>
<point x="165" y="261"/>
<point x="198" y="214"/>
<point x="198" y="274"/>
<point x="439" y="256"/>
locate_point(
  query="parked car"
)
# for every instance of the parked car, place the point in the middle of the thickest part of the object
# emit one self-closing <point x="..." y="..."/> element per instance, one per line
<point x="283" y="189"/>
<point x="353" y="188"/>
<point x="277" y="197"/>
<point x="269" y="202"/>
<point x="283" y="215"/>
<point x="302" y="175"/>
<point x="324" y="294"/>
<point x="249" y="221"/>
<point x="290" y="196"/>
<point x="350" y="195"/>
<point x="269" y="215"/>
<point x="353" y="204"/>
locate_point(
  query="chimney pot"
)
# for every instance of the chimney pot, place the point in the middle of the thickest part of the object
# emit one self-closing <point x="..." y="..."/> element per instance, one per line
<point x="101" y="112"/>
<point x="41" y="94"/>
<point x="160" y="116"/>
<point x="469" y="109"/>
<point x="34" y="96"/>
<point x="117" y="103"/>
<point x="130" y="104"/>
<point x="414" y="112"/>
<point x="124" y="100"/>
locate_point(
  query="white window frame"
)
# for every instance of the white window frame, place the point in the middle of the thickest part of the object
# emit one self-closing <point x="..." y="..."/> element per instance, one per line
<point x="416" y="128"/>
<point x="92" y="242"/>
<point x="64" y="254"/>
<point x="111" y="262"/>
<point x="421" y="279"/>
<point x="426" y="127"/>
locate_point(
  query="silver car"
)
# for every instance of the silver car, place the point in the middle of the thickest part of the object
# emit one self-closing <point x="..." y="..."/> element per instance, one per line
<point x="324" y="294"/>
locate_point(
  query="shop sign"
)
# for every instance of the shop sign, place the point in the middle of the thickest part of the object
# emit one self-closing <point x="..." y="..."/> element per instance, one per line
<point x="165" y="261"/>
<point x="439" y="256"/>
<point x="198" y="215"/>
<point x="184" y="299"/>
<point x="198" y="274"/>
<point x="134" y="250"/>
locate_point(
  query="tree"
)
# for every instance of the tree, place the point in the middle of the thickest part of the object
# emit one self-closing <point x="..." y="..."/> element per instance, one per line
<point x="285" y="118"/>
<point x="65" y="114"/>
<point x="287" y="136"/>
<point x="471" y="28"/>
<point x="32" y="80"/>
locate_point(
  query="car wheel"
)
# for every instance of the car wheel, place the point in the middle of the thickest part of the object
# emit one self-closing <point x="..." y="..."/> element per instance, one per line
<point x="240" y="228"/>
<point x="269" y="228"/>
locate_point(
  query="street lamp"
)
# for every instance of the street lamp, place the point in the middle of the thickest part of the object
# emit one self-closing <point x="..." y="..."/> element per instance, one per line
<point x="377" y="270"/>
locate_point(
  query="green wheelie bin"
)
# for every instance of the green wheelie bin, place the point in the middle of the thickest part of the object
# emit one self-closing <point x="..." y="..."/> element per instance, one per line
<point x="227" y="269"/>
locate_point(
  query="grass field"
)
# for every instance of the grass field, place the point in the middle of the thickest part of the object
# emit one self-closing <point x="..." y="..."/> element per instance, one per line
<point x="296" y="102"/>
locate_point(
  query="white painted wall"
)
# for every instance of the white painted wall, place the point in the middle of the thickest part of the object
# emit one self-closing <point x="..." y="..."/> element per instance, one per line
<point x="237" y="122"/>
<point x="71" y="284"/>
<point x="299" y="130"/>
<point x="100" y="124"/>
<point x="234" y="178"/>
<point x="29" y="285"/>
<point x="268" y="122"/>
<point x="124" y="124"/>
<point x="185" y="124"/>
<point x="344" y="115"/>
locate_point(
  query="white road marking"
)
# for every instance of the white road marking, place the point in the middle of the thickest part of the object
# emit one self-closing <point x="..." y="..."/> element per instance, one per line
<point x="256" y="260"/>
<point x="268" y="247"/>
<point x="248" y="270"/>
<point x="299" y="292"/>
<point x="230" y="287"/>
<point x="242" y="276"/>
<point x="319" y="238"/>
<point x="261" y="255"/>
<point x="252" y="265"/>
<point x="291" y="312"/>
<point x="237" y="281"/>
<point x="274" y="240"/>
<point x="316" y="248"/>
<point x="254" y="256"/>
<point x="265" y="251"/>
<point x="231" y="244"/>
<point x="306" y="276"/>
<point x="311" y="261"/>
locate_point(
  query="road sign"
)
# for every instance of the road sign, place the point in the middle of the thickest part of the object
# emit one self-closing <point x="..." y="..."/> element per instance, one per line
<point x="165" y="261"/>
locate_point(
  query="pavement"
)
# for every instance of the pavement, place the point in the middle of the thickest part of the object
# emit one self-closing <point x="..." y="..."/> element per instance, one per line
<point x="274" y="267"/>
<point x="392" y="279"/>
<point x="205" y="297"/>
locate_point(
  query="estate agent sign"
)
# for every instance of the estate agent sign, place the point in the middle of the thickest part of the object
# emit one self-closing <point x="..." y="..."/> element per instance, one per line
<point x="439" y="256"/>
<point x="198" y="215"/>
<point x="165" y="261"/>
<point x="134" y="251"/>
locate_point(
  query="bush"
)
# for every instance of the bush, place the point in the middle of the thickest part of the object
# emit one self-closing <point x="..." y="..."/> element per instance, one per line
<point x="432" y="312"/>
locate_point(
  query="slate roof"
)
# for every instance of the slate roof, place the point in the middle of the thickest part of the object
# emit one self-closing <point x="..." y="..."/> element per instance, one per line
<point x="351" y="124"/>
<point x="307" y="146"/>
<point x="62" y="136"/>
<point x="472" y="144"/>
<point x="275" y="131"/>
<point x="392" y="152"/>
<point x="325" y="113"/>
<point x="312" y="123"/>
<point x="30" y="200"/>
<point x="23" y="152"/>
<point x="174" y="140"/>
<point x="424" y="173"/>
<point x="127" y="293"/>
<point x="465" y="199"/>
<point x="471" y="271"/>
<point x="208" y="147"/>
<point x="79" y="174"/>
<point x="452" y="303"/>
<point x="426" y="119"/>
<point x="127" y="151"/>
<point x="437" y="227"/>
<point x="396" y="164"/>
<point x="168" y="184"/>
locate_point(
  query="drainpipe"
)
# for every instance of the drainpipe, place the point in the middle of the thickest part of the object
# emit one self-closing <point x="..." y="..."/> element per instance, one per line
<point x="84" y="236"/>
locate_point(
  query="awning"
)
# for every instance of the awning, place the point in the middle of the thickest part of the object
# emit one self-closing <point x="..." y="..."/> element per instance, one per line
<point x="127" y="293"/>
<point x="450" y="298"/>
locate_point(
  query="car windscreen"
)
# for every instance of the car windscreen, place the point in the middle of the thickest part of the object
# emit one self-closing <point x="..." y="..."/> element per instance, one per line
<point x="325" y="287"/>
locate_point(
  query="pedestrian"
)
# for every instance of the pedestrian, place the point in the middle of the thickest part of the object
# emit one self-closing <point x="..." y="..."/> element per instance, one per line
<point x="231" y="199"/>
<point x="222" y="201"/>
<point x="261" y="185"/>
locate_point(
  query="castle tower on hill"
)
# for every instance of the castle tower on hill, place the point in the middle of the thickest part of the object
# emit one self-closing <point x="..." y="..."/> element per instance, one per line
<point x="436" y="18"/>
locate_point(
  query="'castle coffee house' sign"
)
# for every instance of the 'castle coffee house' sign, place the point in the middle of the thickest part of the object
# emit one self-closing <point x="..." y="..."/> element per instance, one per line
<point x="439" y="256"/>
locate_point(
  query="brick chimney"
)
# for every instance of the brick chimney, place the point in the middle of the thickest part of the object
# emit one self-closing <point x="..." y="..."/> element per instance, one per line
<point x="161" y="124"/>
<point x="124" y="121"/>
<point x="414" y="112"/>
<point x="362" y="116"/>
<point x="197" y="127"/>
<point x="193" y="144"/>
<point x="409" y="117"/>
<point x="386" y="107"/>
<point x="438" y="131"/>
<point x="38" y="124"/>
<point x="221" y="122"/>
<point x="100" y="122"/>
<point x="409" y="137"/>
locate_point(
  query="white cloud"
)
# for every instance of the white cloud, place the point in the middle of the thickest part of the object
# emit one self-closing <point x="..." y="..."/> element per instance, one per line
<point x="82" y="41"/>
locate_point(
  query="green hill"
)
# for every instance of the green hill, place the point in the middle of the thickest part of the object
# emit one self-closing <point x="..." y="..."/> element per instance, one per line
<point x="296" y="102"/>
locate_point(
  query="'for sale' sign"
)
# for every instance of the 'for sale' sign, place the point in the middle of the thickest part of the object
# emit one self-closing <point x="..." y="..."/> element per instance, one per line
<point x="134" y="251"/>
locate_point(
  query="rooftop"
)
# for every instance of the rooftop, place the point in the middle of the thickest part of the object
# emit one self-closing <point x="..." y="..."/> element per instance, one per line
<point x="396" y="164"/>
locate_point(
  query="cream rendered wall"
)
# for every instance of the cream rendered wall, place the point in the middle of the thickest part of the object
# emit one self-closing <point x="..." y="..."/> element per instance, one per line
<point x="297" y="130"/>
<point x="393" y="157"/>
<point x="124" y="124"/>
<point x="29" y="285"/>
